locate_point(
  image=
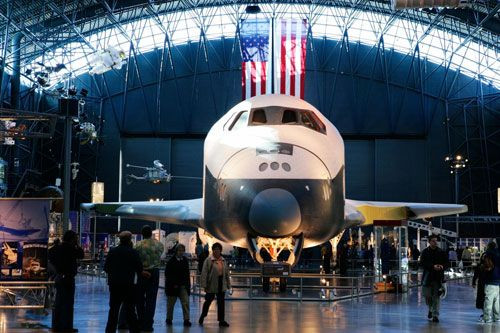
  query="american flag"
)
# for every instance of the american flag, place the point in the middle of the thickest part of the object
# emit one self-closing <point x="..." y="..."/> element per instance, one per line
<point x="289" y="56"/>
<point x="255" y="67"/>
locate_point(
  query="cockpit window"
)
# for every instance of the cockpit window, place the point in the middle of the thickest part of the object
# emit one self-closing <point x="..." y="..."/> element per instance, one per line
<point x="276" y="115"/>
<point x="307" y="121"/>
<point x="259" y="117"/>
<point x="240" y="121"/>
<point x="289" y="117"/>
<point x="319" y="123"/>
<point x="310" y="120"/>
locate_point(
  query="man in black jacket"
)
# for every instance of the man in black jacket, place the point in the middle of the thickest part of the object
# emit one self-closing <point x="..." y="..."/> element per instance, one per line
<point x="434" y="261"/>
<point x="178" y="284"/>
<point x="63" y="258"/>
<point x="123" y="266"/>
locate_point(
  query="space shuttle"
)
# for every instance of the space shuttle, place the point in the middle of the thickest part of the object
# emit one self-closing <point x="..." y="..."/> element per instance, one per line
<point x="274" y="180"/>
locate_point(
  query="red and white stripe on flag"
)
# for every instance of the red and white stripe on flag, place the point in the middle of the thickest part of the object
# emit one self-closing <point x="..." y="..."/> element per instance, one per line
<point x="290" y="57"/>
<point x="256" y="72"/>
<point x="256" y="78"/>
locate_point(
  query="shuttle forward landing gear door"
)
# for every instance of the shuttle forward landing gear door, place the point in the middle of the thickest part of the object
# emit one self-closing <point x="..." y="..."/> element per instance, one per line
<point x="335" y="242"/>
<point x="275" y="246"/>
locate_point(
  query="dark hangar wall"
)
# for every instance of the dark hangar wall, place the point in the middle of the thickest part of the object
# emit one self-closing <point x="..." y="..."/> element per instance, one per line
<point x="391" y="109"/>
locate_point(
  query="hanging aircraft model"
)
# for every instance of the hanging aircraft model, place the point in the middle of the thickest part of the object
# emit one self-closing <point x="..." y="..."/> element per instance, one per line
<point x="274" y="180"/>
<point x="156" y="174"/>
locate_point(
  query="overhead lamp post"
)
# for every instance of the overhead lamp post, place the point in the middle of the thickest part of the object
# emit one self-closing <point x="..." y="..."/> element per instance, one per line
<point x="456" y="163"/>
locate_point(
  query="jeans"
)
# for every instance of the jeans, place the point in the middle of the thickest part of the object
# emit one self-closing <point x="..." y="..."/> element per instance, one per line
<point x="171" y="300"/>
<point x="432" y="299"/>
<point x="146" y="306"/>
<point x="62" y="314"/>
<point x="119" y="295"/>
<point x="209" y="297"/>
<point x="491" y="309"/>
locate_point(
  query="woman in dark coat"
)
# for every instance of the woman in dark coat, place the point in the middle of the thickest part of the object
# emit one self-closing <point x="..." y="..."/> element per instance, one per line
<point x="478" y="280"/>
<point x="178" y="284"/>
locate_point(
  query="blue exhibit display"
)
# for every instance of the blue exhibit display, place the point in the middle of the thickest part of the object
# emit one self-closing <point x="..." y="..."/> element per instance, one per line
<point x="24" y="229"/>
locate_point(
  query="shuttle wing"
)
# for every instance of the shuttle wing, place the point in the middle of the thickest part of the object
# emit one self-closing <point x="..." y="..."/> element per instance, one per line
<point x="182" y="212"/>
<point x="365" y="212"/>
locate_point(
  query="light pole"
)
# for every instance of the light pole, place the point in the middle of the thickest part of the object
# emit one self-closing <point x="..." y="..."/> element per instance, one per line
<point x="456" y="163"/>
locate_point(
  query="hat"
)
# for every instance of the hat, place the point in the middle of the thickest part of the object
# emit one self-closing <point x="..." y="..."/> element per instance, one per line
<point x="125" y="236"/>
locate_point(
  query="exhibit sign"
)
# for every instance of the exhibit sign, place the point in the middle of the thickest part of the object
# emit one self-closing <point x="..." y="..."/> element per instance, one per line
<point x="34" y="261"/>
<point x="24" y="231"/>
<point x="97" y="192"/>
<point x="73" y="220"/>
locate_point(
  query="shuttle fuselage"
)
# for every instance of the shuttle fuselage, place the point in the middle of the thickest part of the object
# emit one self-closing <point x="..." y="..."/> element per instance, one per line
<point x="273" y="167"/>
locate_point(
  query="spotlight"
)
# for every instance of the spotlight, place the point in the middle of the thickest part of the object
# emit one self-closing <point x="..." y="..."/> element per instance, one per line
<point x="252" y="9"/>
<point x="84" y="92"/>
<point x="72" y="91"/>
<point x="456" y="162"/>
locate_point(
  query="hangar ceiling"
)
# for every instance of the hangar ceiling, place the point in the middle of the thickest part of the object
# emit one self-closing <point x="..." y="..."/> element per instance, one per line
<point x="426" y="80"/>
<point x="69" y="32"/>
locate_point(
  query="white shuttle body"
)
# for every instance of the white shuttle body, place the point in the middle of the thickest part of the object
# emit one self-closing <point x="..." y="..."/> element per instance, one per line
<point x="274" y="180"/>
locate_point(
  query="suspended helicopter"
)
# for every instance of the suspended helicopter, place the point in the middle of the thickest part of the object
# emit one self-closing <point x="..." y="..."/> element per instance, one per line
<point x="155" y="174"/>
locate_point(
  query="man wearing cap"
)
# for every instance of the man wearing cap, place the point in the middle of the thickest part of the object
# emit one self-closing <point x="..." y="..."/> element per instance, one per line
<point x="150" y="251"/>
<point x="123" y="266"/>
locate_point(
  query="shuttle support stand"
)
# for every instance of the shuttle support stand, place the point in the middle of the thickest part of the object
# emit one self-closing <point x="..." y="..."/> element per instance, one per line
<point x="398" y="231"/>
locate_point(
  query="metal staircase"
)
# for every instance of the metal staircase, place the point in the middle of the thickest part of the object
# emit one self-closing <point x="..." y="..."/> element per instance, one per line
<point x="432" y="229"/>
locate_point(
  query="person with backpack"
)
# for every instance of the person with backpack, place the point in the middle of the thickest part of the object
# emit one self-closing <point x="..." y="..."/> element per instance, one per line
<point x="491" y="269"/>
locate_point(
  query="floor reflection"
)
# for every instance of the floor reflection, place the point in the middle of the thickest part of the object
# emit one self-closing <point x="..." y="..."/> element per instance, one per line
<point x="379" y="313"/>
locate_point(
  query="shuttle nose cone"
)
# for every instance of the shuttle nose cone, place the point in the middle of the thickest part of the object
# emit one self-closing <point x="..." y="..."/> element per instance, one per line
<point x="274" y="212"/>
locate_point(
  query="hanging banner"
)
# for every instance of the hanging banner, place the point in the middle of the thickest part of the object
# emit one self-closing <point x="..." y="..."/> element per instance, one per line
<point x="97" y="192"/>
<point x="273" y="53"/>
<point x="290" y="56"/>
<point x="73" y="220"/>
<point x="256" y="69"/>
<point x="85" y="222"/>
<point x="24" y="220"/>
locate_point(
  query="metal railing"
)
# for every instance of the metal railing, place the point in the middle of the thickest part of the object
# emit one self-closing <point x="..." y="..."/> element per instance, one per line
<point x="25" y="294"/>
<point x="306" y="286"/>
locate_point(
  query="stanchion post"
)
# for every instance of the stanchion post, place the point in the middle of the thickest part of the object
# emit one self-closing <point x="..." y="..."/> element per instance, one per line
<point x="300" y="295"/>
<point x="251" y="291"/>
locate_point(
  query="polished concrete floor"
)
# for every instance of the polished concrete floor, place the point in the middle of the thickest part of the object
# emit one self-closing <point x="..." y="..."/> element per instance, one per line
<point x="379" y="313"/>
